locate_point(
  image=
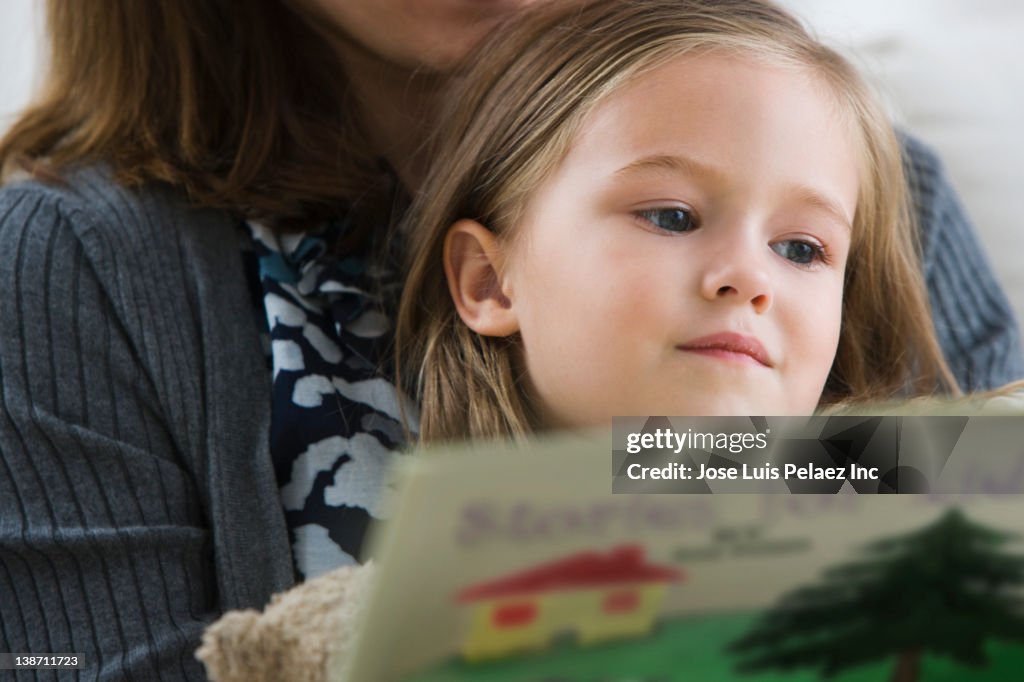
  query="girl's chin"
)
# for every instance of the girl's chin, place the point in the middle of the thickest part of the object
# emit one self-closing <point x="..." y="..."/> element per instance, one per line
<point x="737" y="405"/>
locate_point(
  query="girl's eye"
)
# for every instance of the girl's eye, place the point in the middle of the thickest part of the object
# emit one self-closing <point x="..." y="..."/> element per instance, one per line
<point x="676" y="220"/>
<point x="800" y="252"/>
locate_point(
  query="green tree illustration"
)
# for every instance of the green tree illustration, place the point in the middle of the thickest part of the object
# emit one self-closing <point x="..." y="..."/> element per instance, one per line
<point x="943" y="590"/>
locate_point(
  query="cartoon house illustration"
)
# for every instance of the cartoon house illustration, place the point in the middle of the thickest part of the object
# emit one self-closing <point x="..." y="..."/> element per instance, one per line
<point x="598" y="596"/>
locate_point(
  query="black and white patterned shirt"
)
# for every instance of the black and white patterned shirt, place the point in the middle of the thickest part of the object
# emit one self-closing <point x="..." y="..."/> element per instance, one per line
<point x="335" y="418"/>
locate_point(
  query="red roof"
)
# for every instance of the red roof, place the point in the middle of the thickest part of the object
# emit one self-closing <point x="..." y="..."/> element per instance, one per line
<point x="622" y="564"/>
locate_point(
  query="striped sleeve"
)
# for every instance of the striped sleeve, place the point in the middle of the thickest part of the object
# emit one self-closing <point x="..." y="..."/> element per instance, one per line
<point x="103" y="548"/>
<point x="973" y="319"/>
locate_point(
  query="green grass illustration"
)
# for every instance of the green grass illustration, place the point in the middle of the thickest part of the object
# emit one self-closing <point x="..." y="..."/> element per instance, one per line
<point x="692" y="650"/>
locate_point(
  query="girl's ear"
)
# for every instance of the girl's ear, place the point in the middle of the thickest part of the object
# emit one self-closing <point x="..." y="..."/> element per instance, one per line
<point x="473" y="262"/>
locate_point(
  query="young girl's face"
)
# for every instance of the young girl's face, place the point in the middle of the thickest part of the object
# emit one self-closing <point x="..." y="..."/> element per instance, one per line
<point x="687" y="257"/>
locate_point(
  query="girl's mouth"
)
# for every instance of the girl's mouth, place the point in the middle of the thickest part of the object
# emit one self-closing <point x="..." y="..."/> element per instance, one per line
<point x="729" y="346"/>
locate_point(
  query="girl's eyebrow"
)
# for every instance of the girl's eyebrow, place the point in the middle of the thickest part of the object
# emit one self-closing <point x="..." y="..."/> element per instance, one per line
<point x="816" y="199"/>
<point x="676" y="164"/>
<point x="694" y="168"/>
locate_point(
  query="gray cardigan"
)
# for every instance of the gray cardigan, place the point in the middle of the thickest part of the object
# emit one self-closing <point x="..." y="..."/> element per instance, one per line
<point x="137" y="498"/>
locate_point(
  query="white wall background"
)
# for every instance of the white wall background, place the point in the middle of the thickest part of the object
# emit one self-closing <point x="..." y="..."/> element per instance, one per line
<point x="20" y="27"/>
<point x="952" y="70"/>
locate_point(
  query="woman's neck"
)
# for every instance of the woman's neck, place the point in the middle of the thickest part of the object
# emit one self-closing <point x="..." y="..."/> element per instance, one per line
<point x="397" y="108"/>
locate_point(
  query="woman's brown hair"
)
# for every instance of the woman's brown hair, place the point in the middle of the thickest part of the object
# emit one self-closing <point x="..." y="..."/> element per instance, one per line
<point x="513" y="120"/>
<point x="243" y="105"/>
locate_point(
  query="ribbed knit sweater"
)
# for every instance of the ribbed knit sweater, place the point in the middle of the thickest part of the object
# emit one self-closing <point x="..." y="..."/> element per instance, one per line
<point x="137" y="497"/>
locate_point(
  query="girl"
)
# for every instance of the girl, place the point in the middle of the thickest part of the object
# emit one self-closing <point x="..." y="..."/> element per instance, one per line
<point x="640" y="207"/>
<point x="661" y="206"/>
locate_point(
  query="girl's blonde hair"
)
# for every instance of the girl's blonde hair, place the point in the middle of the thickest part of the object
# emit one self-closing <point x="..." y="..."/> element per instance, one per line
<point x="513" y="118"/>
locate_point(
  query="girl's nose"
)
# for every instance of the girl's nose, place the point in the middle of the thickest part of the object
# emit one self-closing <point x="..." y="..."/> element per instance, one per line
<point x="738" y="276"/>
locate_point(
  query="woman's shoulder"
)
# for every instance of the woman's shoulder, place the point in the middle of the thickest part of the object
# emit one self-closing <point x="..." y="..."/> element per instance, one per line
<point x="92" y="205"/>
<point x="118" y="251"/>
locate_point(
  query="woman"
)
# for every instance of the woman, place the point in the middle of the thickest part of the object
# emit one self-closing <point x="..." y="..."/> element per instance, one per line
<point x="177" y="149"/>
